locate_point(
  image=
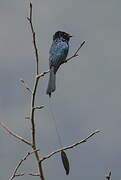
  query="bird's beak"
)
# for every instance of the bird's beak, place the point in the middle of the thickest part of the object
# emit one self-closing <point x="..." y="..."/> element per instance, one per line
<point x="70" y="36"/>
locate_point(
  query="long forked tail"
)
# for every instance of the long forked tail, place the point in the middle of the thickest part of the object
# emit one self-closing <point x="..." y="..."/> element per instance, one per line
<point x="52" y="82"/>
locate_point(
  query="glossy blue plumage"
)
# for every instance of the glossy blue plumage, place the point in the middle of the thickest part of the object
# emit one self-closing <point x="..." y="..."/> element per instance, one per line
<point x="57" y="55"/>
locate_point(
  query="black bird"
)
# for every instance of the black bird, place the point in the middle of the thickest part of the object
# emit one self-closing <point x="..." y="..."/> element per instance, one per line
<point x="57" y="55"/>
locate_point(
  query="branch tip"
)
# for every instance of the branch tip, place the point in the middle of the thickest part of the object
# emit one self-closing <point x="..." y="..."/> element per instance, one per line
<point x="14" y="134"/>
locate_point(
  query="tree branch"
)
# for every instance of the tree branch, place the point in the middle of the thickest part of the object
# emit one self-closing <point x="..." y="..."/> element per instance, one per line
<point x="19" y="164"/>
<point x="30" y="174"/>
<point x="69" y="147"/>
<point x="34" y="40"/>
<point x="14" y="134"/>
<point x="33" y="98"/>
<point x="75" y="54"/>
<point x="18" y="175"/>
<point x="39" y="107"/>
<point x="42" y="74"/>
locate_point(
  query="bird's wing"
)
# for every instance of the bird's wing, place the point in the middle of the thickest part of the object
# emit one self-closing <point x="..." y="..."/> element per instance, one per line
<point x="58" y="53"/>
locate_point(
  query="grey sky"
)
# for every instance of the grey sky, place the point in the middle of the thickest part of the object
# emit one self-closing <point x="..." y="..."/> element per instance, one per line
<point x="88" y="94"/>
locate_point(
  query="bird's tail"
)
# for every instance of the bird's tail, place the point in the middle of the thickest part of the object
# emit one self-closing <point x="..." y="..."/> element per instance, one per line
<point x="52" y="82"/>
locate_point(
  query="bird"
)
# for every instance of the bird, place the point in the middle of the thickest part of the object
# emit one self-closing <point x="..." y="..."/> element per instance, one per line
<point x="57" y="55"/>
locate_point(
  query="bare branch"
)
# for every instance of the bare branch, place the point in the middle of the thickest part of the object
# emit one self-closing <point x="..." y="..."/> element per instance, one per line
<point x="19" y="164"/>
<point x="33" y="174"/>
<point x="34" y="40"/>
<point x="17" y="175"/>
<point x="39" y="107"/>
<point x="32" y="116"/>
<point x="75" y="54"/>
<point x="23" y="174"/>
<point x="26" y="85"/>
<point x="14" y="134"/>
<point x="69" y="147"/>
<point x="42" y="74"/>
<point x="33" y="98"/>
<point x="79" y="47"/>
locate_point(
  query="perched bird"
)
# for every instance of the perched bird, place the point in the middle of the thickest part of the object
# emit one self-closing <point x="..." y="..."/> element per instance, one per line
<point x="57" y="55"/>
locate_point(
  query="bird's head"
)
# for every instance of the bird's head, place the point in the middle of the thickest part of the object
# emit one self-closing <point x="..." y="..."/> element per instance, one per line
<point x="62" y="35"/>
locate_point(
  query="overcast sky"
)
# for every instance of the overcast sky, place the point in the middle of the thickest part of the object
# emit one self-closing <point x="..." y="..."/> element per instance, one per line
<point x="88" y="94"/>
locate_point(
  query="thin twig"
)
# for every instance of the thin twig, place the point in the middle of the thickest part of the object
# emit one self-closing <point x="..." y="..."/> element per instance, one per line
<point x="42" y="74"/>
<point x="75" y="54"/>
<point x="14" y="134"/>
<point x="69" y="147"/>
<point x="18" y="175"/>
<point x="39" y="107"/>
<point x="26" y="85"/>
<point x="23" y="174"/>
<point x="30" y="174"/>
<point x="34" y="40"/>
<point x="19" y="164"/>
<point x="33" y="98"/>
